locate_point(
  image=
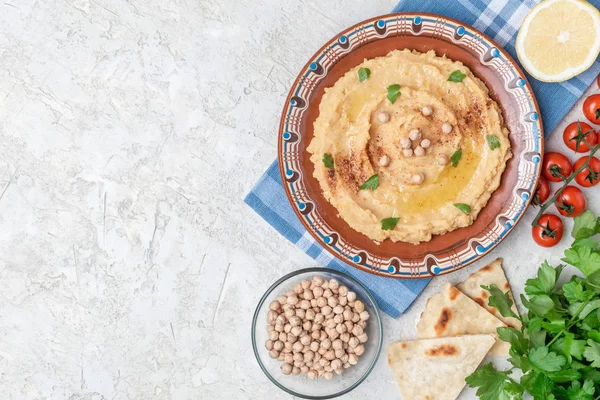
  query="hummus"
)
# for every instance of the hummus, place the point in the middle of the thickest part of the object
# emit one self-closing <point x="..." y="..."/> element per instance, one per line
<point x="365" y="132"/>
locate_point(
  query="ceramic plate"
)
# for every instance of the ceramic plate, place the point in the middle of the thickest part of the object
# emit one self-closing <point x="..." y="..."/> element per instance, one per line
<point x="377" y="37"/>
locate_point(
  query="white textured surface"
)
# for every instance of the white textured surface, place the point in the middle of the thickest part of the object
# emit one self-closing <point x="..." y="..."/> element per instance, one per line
<point x="129" y="133"/>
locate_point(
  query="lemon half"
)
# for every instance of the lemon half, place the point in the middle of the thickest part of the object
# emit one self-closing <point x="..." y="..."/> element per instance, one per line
<point x="559" y="39"/>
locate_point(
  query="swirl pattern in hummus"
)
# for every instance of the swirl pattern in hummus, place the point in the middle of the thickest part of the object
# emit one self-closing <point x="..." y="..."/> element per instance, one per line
<point x="348" y="128"/>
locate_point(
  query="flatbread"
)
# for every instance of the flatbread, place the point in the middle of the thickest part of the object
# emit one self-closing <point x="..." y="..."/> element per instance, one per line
<point x="435" y="369"/>
<point x="452" y="313"/>
<point x="488" y="275"/>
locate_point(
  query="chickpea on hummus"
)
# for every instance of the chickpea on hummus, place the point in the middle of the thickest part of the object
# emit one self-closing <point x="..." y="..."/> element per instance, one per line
<point x="408" y="146"/>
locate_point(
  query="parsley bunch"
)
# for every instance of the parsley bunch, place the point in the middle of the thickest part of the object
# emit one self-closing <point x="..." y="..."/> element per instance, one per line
<point x="558" y="347"/>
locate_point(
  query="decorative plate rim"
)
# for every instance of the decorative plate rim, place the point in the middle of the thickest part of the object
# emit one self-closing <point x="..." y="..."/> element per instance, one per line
<point x="354" y="261"/>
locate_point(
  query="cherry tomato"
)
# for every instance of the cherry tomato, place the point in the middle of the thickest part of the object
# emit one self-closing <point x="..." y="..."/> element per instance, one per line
<point x="591" y="108"/>
<point x="576" y="135"/>
<point x="555" y="165"/>
<point x="542" y="192"/>
<point x="589" y="176"/>
<point x="549" y="230"/>
<point x="571" y="202"/>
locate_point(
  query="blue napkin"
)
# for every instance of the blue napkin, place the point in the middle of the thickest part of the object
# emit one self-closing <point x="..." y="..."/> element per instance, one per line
<point x="499" y="19"/>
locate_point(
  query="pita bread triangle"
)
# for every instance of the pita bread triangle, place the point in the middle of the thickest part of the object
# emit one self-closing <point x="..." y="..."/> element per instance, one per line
<point x="491" y="274"/>
<point x="452" y="313"/>
<point x="435" y="369"/>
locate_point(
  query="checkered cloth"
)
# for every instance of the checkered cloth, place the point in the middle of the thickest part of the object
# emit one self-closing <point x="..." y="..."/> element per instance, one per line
<point x="499" y="19"/>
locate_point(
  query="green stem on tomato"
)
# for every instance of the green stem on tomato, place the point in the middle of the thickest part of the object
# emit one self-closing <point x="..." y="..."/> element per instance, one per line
<point x="566" y="181"/>
<point x="569" y="324"/>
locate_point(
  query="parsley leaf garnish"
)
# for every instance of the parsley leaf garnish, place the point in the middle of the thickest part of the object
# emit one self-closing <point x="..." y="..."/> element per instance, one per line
<point x="493" y="142"/>
<point x="393" y="92"/>
<point x="465" y="208"/>
<point x="456" y="157"/>
<point x="328" y="161"/>
<point x="584" y="259"/>
<point x="546" y="360"/>
<point x="493" y="384"/>
<point x="585" y="225"/>
<point x="456" y="76"/>
<point x="363" y="74"/>
<point x="389" y="224"/>
<point x="371" y="184"/>
<point x="501" y="301"/>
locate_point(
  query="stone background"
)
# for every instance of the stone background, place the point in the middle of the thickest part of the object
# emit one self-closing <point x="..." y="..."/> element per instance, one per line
<point x="130" y="132"/>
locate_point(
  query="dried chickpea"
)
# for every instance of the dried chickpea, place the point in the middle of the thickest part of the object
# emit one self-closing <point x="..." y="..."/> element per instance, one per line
<point x="359" y="306"/>
<point x="283" y="337"/>
<point x="301" y="313"/>
<point x="327" y="293"/>
<point x="321" y="302"/>
<point x="304" y="369"/>
<point x="333" y="334"/>
<point x="310" y="314"/>
<point x="286" y="369"/>
<point x="305" y="340"/>
<point x="313" y="303"/>
<point x="317" y="292"/>
<point x="363" y="338"/>
<point x="357" y="330"/>
<point x="287" y="347"/>
<point x="344" y="337"/>
<point x="338" y="309"/>
<point x="312" y="374"/>
<point x="330" y="324"/>
<point x="353" y="342"/>
<point x="347" y="315"/>
<point x="307" y="325"/>
<point x="343" y="290"/>
<point x="359" y="350"/>
<point x="364" y="315"/>
<point x="273" y="335"/>
<point x="316" y="327"/>
<point x="271" y="316"/>
<point x="326" y="310"/>
<point x="322" y="351"/>
<point x="297" y="347"/>
<point x="355" y="317"/>
<point x="298" y="357"/>
<point x="325" y="285"/>
<point x="288" y="359"/>
<point x="352" y="359"/>
<point x="326" y="344"/>
<point x="295" y="371"/>
<point x="273" y="353"/>
<point x="332" y="302"/>
<point x="343" y="301"/>
<point x="305" y="304"/>
<point x="296" y="331"/>
<point x="351" y="296"/>
<point x="339" y="353"/>
<point x="291" y="338"/>
<point x="362" y="324"/>
<point x="287" y="328"/>
<point x="334" y="284"/>
<point x="341" y="328"/>
<point x="337" y="344"/>
<point x="323" y="336"/>
<point x="339" y="371"/>
<point x="314" y="346"/>
<point x="269" y="344"/>
<point x="289" y="313"/>
<point x="292" y="300"/>
<point x="305" y="284"/>
<point x="308" y="295"/>
<point x="328" y="375"/>
<point x="319" y="317"/>
<point x="330" y="355"/>
<point x="316" y="335"/>
<point x="336" y="364"/>
<point x="277" y="345"/>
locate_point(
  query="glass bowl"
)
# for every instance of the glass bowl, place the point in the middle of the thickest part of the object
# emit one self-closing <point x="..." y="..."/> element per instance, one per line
<point x="300" y="385"/>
